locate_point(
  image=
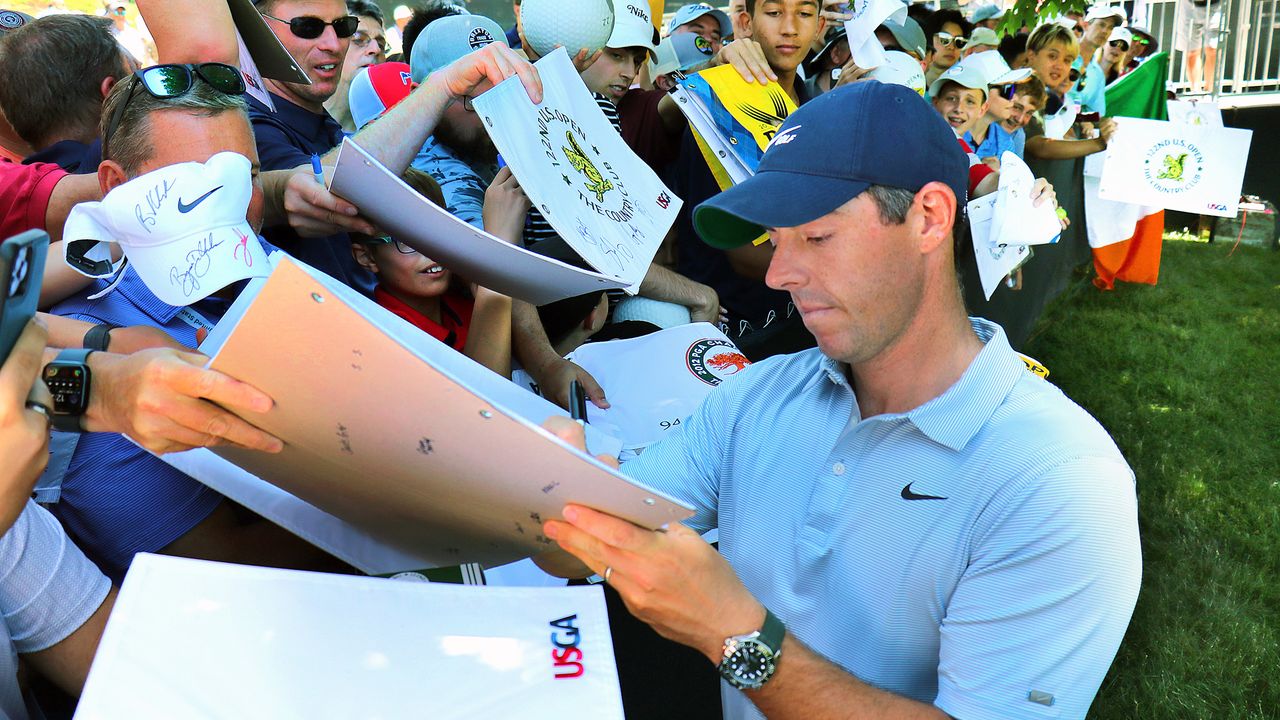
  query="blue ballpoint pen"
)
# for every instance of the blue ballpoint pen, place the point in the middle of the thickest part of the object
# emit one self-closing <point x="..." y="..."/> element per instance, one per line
<point x="317" y="169"/>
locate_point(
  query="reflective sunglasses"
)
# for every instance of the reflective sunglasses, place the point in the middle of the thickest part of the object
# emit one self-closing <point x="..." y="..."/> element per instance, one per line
<point x="387" y="240"/>
<point x="1006" y="91"/>
<point x="308" y="27"/>
<point x="1119" y="44"/>
<point x="361" y="39"/>
<point x="174" y="80"/>
<point x="1141" y="40"/>
<point x="946" y="39"/>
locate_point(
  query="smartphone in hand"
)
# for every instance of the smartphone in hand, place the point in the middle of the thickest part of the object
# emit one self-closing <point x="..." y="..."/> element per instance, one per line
<point x="21" y="272"/>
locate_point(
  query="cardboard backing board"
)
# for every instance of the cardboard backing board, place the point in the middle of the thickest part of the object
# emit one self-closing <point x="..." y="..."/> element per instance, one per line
<point x="272" y="59"/>
<point x="388" y="429"/>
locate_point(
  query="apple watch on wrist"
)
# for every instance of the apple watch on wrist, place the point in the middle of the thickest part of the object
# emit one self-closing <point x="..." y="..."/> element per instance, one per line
<point x="68" y="380"/>
<point x="750" y="660"/>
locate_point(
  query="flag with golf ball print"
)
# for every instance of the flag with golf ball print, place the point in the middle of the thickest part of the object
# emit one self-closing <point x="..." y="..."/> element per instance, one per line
<point x="601" y="198"/>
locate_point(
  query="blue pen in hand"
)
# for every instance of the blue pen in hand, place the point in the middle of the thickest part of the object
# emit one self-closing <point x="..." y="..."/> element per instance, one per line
<point x="317" y="169"/>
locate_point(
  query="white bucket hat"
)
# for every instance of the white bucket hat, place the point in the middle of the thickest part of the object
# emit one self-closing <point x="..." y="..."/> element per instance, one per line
<point x="183" y="229"/>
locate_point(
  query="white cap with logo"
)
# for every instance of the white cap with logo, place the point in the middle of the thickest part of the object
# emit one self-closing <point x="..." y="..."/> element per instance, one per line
<point x="900" y="69"/>
<point x="633" y="27"/>
<point x="183" y="229"/>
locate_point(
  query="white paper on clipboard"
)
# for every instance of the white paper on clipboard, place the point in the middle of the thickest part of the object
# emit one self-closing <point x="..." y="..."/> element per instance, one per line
<point x="470" y="252"/>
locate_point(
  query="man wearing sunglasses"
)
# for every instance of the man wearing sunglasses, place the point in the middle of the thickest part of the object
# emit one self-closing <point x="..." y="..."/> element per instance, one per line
<point x="947" y="31"/>
<point x="368" y="46"/>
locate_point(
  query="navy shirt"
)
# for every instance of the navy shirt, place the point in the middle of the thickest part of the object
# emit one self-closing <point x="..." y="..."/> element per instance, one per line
<point x="750" y="304"/>
<point x="70" y="155"/>
<point x="286" y="139"/>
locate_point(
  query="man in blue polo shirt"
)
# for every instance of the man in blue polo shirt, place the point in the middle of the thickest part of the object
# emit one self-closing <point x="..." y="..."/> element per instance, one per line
<point x="911" y="524"/>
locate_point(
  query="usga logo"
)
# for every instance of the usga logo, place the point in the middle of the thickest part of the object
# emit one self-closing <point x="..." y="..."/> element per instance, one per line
<point x="711" y="360"/>
<point x="1173" y="166"/>
<point x="1216" y="207"/>
<point x="566" y="656"/>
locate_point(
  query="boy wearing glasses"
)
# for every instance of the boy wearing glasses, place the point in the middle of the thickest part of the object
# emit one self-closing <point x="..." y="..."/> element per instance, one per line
<point x="987" y="138"/>
<point x="425" y="293"/>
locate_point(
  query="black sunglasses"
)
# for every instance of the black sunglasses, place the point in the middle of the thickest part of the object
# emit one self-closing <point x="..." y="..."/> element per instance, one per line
<point x="174" y="80"/>
<point x="387" y="240"/>
<point x="1006" y="91"/>
<point x="1074" y="75"/>
<point x="308" y="27"/>
<point x="1119" y="44"/>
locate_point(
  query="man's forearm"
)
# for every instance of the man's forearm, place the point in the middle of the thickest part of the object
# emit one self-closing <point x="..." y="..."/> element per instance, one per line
<point x="1045" y="148"/>
<point x="397" y="136"/>
<point x="662" y="284"/>
<point x="809" y="687"/>
<point x="169" y="22"/>
<point x="529" y="340"/>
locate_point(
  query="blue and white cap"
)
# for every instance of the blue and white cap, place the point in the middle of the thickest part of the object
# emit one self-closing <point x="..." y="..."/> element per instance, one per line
<point x="450" y="38"/>
<point x="808" y="171"/>
<point x="680" y="52"/>
<point x="693" y="11"/>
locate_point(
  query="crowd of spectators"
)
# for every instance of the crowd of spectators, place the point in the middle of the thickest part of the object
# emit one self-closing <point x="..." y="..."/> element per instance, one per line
<point x="925" y="527"/>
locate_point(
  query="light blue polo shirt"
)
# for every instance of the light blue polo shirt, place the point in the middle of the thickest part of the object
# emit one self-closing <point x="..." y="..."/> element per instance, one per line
<point x="979" y="552"/>
<point x="1092" y="96"/>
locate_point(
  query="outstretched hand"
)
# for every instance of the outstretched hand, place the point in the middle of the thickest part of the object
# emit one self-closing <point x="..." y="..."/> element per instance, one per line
<point x="479" y="71"/>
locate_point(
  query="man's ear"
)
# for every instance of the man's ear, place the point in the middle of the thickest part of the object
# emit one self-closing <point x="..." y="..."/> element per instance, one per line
<point x="935" y="215"/>
<point x="747" y="30"/>
<point x="110" y="176"/>
<point x="108" y="82"/>
<point x="363" y="257"/>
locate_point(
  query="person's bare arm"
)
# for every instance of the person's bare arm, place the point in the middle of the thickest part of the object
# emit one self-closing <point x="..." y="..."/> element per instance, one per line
<point x="547" y="368"/>
<point x="67" y="663"/>
<point x="69" y="192"/>
<point x="170" y="25"/>
<point x="670" y="286"/>
<point x="293" y="196"/>
<point x="1043" y="148"/>
<point x="489" y="337"/>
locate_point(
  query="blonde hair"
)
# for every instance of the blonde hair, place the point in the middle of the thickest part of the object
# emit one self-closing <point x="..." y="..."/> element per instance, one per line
<point x="1050" y="33"/>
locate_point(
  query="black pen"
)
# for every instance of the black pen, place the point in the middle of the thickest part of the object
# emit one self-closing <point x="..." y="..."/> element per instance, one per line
<point x="577" y="403"/>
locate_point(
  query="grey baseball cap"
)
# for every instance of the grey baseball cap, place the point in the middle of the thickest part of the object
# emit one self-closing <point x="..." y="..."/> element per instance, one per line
<point x="449" y="38"/>
<point x="12" y="20"/>
<point x="908" y="34"/>
<point x="689" y="13"/>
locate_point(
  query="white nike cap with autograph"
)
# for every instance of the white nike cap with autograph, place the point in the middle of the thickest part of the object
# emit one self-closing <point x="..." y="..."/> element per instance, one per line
<point x="183" y="229"/>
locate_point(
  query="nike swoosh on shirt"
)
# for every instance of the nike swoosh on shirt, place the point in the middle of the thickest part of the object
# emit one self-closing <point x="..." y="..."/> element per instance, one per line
<point x="185" y="208"/>
<point x="908" y="495"/>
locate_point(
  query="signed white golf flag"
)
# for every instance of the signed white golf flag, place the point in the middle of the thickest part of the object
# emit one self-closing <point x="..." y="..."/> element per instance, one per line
<point x="1193" y="168"/>
<point x="601" y="198"/>
<point x="861" y="29"/>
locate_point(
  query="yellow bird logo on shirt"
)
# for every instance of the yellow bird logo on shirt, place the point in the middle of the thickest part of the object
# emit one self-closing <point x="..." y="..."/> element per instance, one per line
<point x="580" y="162"/>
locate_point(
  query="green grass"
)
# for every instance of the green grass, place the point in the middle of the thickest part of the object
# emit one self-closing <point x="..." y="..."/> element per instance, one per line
<point x="1185" y="376"/>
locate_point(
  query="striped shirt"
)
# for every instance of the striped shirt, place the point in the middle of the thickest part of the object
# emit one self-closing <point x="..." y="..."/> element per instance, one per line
<point x="48" y="589"/>
<point x="979" y="552"/>
<point x="118" y="499"/>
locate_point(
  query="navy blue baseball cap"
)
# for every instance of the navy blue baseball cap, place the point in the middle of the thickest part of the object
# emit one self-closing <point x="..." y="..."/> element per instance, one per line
<point x="828" y="152"/>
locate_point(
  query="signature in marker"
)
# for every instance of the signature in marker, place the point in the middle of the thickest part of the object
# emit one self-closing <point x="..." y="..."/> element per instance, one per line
<point x="198" y="264"/>
<point x="155" y="198"/>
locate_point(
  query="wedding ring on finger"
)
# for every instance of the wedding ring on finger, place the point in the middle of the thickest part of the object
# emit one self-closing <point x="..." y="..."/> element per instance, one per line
<point x="43" y="410"/>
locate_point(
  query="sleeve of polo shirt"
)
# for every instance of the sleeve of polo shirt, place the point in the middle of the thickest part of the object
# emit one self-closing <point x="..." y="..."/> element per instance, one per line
<point x="48" y="588"/>
<point x="24" y="195"/>
<point x="686" y="464"/>
<point x="1038" y="616"/>
<point x="275" y="149"/>
<point x="1020" y="143"/>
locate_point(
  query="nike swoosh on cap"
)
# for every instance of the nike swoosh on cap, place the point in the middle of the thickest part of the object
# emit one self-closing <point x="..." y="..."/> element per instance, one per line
<point x="185" y="208"/>
<point x="908" y="495"/>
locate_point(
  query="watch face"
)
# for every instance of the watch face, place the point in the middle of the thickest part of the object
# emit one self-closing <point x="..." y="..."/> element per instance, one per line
<point x="750" y="665"/>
